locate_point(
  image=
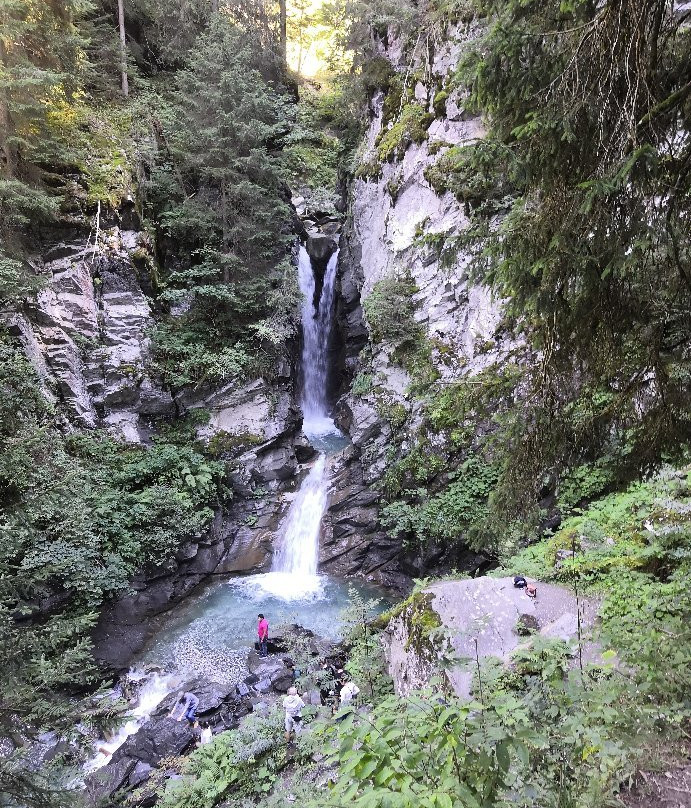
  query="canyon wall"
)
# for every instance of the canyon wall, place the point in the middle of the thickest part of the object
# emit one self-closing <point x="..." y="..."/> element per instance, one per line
<point x="396" y="223"/>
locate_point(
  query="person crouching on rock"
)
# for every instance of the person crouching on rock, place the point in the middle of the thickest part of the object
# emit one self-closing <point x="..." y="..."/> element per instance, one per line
<point x="189" y="707"/>
<point x="348" y="693"/>
<point x="293" y="704"/>
<point x="263" y="632"/>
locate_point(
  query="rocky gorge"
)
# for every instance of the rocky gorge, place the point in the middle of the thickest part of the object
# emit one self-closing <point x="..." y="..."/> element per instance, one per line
<point x="393" y="353"/>
<point x="88" y="337"/>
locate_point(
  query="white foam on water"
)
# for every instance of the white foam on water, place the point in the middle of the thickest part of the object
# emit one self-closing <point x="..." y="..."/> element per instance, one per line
<point x="153" y="691"/>
<point x="319" y="426"/>
<point x="281" y="585"/>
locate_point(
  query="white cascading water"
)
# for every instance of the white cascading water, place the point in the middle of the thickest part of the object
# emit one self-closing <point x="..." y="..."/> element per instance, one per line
<point x="316" y="326"/>
<point x="155" y="688"/>
<point x="293" y="574"/>
<point x="299" y="550"/>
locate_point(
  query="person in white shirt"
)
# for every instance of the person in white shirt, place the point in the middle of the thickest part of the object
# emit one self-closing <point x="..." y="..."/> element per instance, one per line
<point x="293" y="704"/>
<point x="348" y="693"/>
<point x="205" y="736"/>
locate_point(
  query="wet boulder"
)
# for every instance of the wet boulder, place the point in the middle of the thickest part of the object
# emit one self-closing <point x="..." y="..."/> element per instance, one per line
<point x="263" y="667"/>
<point x="304" y="451"/>
<point x="162" y="737"/>
<point x="320" y="246"/>
<point x="282" y="680"/>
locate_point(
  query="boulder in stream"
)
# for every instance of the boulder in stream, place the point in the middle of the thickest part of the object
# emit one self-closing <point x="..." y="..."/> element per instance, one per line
<point x="162" y="737"/>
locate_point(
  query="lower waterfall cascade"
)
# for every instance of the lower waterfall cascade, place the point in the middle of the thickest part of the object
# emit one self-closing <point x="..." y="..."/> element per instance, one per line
<point x="209" y="634"/>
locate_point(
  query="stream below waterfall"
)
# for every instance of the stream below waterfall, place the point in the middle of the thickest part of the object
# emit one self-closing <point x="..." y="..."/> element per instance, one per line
<point x="211" y="633"/>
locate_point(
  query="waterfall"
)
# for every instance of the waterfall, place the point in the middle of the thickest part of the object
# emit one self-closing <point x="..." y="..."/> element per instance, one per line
<point x="298" y="554"/>
<point x="293" y="574"/>
<point x="155" y="688"/>
<point x="316" y="324"/>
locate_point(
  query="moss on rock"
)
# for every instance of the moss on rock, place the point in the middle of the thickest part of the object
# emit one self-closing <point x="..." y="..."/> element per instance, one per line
<point x="411" y="127"/>
<point x="420" y="621"/>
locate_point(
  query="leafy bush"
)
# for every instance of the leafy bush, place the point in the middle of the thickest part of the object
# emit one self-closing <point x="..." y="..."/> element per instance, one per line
<point x="366" y="663"/>
<point x="362" y="384"/>
<point x="390" y="311"/>
<point x="147" y="500"/>
<point x="216" y="192"/>
<point x="242" y="762"/>
<point x="460" y="508"/>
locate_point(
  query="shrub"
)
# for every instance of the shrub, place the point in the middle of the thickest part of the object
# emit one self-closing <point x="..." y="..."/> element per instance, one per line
<point x="390" y="311"/>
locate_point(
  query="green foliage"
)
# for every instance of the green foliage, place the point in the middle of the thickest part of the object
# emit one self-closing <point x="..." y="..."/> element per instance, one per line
<point x="539" y="729"/>
<point x="312" y="154"/>
<point x="356" y="23"/>
<point x="148" y="499"/>
<point x="453" y="513"/>
<point x="439" y="103"/>
<point x="216" y="191"/>
<point x="472" y="174"/>
<point x="410" y="127"/>
<point x="223" y="443"/>
<point x="390" y="311"/>
<point x="540" y="733"/>
<point x="41" y="55"/>
<point x="78" y="517"/>
<point x="644" y="528"/>
<point x="421" y="621"/>
<point x="15" y="282"/>
<point x="592" y="258"/>
<point x="439" y="485"/>
<point x="243" y="762"/>
<point x="362" y="384"/>
<point x="366" y="663"/>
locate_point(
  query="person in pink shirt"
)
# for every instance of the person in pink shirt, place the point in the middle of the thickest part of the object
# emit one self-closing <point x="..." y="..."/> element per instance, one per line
<point x="263" y="632"/>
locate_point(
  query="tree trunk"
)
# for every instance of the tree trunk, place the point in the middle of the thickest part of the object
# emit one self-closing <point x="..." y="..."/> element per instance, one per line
<point x="6" y="154"/>
<point x="224" y="222"/>
<point x="301" y="28"/>
<point x="123" y="48"/>
<point x="283" y="32"/>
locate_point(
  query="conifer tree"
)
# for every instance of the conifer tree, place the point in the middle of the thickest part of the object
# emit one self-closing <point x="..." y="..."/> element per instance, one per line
<point x="220" y="192"/>
<point x="40" y="51"/>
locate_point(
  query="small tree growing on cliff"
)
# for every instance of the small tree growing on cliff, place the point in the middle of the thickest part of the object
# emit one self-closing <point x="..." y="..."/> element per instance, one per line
<point x="366" y="663"/>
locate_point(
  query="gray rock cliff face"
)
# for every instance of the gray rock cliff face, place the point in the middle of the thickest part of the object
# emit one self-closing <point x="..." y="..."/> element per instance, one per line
<point x="386" y="218"/>
<point x="87" y="332"/>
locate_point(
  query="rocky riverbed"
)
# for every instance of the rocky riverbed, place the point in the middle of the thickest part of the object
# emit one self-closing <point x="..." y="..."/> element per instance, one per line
<point x="222" y="704"/>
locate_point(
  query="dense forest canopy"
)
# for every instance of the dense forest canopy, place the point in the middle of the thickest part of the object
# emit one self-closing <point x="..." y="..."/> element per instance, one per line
<point x="590" y="157"/>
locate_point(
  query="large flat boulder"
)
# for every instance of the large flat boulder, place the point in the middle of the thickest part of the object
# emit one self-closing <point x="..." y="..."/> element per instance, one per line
<point x="484" y="617"/>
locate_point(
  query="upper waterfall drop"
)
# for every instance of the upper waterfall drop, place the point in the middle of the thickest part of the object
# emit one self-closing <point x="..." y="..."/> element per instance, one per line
<point x="317" y="322"/>
<point x="293" y="573"/>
